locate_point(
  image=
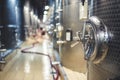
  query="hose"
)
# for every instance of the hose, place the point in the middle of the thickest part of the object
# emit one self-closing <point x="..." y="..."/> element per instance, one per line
<point x="25" y="50"/>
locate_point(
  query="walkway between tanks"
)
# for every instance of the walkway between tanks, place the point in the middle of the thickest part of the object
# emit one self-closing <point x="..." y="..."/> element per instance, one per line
<point x="33" y="66"/>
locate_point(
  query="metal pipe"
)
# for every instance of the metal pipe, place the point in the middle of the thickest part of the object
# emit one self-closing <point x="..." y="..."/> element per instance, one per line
<point x="60" y="66"/>
<point x="60" y="13"/>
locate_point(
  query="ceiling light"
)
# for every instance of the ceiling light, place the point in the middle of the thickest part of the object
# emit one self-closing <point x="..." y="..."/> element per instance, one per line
<point x="45" y="12"/>
<point x="46" y="7"/>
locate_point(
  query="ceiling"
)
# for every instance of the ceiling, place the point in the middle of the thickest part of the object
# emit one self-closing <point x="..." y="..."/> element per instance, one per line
<point x="39" y="5"/>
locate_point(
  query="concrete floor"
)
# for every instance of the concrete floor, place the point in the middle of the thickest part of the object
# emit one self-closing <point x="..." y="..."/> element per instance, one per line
<point x="73" y="75"/>
<point x="34" y="66"/>
<point x="28" y="66"/>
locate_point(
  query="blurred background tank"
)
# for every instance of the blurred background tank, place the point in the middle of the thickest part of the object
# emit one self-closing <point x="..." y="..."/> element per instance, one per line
<point x="12" y="23"/>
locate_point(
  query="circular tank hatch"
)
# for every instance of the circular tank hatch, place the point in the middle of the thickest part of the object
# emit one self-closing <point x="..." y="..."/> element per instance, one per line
<point x="94" y="38"/>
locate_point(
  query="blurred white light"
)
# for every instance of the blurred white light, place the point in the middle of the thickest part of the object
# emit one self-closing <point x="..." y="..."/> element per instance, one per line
<point x="59" y="10"/>
<point x="45" y="12"/>
<point x="13" y="1"/>
<point x="57" y="17"/>
<point x="26" y="8"/>
<point x="46" y="7"/>
<point x="36" y="17"/>
<point x="31" y="12"/>
<point x="44" y="18"/>
<point x="27" y="67"/>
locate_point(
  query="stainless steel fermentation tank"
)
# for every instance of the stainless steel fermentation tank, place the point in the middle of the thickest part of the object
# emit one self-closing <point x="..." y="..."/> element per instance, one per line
<point x="102" y="43"/>
<point x="11" y="23"/>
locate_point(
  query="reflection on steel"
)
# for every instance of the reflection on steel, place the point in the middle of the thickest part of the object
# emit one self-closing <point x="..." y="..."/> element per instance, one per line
<point x="94" y="37"/>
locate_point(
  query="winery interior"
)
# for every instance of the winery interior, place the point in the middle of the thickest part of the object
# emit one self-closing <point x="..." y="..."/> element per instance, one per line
<point x="59" y="40"/>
